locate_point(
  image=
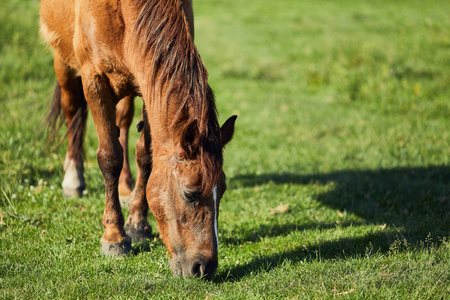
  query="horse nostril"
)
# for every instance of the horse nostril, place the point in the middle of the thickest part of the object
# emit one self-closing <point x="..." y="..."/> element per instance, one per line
<point x="197" y="269"/>
<point x="179" y="269"/>
<point x="205" y="269"/>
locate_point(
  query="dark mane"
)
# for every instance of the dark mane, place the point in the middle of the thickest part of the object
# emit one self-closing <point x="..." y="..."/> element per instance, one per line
<point x="161" y="33"/>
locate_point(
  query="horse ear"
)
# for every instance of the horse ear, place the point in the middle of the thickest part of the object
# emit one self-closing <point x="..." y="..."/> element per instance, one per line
<point x="190" y="139"/>
<point x="227" y="130"/>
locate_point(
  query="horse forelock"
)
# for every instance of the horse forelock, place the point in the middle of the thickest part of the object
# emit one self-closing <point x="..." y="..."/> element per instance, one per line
<point x="211" y="155"/>
<point x="177" y="74"/>
<point x="209" y="152"/>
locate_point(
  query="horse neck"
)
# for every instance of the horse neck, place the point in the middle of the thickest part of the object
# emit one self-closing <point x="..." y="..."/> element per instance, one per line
<point x="166" y="66"/>
<point x="168" y="120"/>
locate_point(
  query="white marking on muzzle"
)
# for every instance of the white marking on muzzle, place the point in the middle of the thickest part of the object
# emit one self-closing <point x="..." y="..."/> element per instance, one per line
<point x="215" y="216"/>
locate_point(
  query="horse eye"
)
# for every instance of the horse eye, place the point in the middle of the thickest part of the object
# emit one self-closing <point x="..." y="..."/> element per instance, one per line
<point x="192" y="196"/>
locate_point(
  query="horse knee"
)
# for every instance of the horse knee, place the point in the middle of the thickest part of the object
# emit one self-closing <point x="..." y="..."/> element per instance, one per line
<point x="110" y="161"/>
<point x="143" y="157"/>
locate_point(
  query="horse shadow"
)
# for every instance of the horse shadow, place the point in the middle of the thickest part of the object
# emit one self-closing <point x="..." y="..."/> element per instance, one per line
<point x="33" y="174"/>
<point x="414" y="200"/>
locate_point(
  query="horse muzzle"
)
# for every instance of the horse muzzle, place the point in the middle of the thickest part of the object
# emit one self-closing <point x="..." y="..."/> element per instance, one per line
<point x="198" y="266"/>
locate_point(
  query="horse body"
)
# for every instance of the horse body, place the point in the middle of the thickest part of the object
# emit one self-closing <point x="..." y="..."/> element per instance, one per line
<point x="61" y="30"/>
<point x="118" y="49"/>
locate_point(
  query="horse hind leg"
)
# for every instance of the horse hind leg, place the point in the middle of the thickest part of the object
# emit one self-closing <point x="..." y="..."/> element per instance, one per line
<point x="124" y="117"/>
<point x="74" y="108"/>
<point x="137" y="226"/>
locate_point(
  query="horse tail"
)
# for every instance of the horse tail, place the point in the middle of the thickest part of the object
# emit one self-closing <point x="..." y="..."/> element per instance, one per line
<point x="55" y="119"/>
<point x="77" y="128"/>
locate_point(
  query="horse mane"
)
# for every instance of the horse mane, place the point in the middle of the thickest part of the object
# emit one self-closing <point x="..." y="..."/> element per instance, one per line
<point x="161" y="33"/>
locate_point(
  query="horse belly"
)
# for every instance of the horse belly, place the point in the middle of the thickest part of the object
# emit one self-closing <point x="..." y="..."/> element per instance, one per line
<point x="57" y="27"/>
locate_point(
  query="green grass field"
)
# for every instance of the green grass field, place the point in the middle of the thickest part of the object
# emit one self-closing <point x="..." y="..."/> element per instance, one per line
<point x="344" y="117"/>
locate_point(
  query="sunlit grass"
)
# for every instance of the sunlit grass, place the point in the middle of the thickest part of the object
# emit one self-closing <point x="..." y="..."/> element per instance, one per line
<point x="338" y="174"/>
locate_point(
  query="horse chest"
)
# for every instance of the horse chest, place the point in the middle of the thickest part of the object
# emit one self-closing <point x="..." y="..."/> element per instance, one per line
<point x="121" y="84"/>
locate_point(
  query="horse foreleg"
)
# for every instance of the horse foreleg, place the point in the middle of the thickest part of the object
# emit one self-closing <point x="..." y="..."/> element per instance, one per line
<point x="73" y="105"/>
<point x="102" y="102"/>
<point x="137" y="225"/>
<point x="124" y="116"/>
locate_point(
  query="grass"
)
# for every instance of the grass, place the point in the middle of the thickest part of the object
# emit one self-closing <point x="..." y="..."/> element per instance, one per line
<point x="343" y="116"/>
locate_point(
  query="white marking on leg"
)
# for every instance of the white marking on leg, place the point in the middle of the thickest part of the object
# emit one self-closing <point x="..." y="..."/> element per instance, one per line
<point x="215" y="216"/>
<point x="73" y="177"/>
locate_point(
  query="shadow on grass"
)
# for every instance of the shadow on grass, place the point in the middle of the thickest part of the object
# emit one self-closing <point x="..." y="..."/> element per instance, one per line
<point x="147" y="245"/>
<point x="33" y="173"/>
<point x="339" y="249"/>
<point x="414" y="199"/>
<point x="273" y="230"/>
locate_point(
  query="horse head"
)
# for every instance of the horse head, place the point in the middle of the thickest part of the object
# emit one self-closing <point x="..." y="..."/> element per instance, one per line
<point x="184" y="193"/>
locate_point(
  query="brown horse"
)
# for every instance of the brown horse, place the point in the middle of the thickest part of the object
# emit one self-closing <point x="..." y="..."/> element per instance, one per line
<point x="107" y="50"/>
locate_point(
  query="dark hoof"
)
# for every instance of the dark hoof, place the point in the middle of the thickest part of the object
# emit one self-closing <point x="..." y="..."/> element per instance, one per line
<point x="116" y="249"/>
<point x="139" y="232"/>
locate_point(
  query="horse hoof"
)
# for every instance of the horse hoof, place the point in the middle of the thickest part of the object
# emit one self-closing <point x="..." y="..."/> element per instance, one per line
<point x="139" y="232"/>
<point x="124" y="196"/>
<point x="73" y="193"/>
<point x="124" y="201"/>
<point x="116" y="249"/>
